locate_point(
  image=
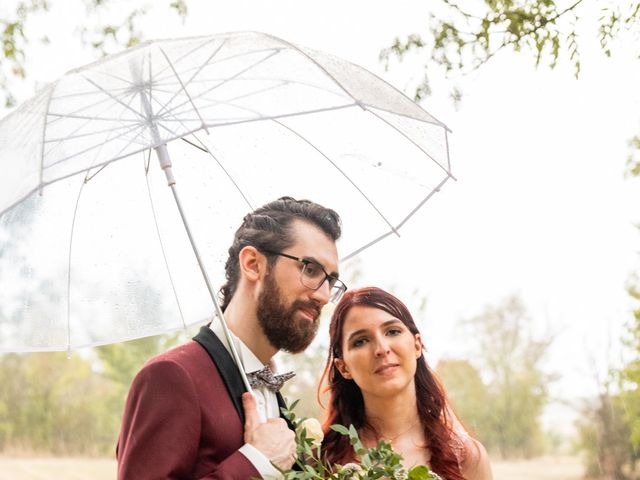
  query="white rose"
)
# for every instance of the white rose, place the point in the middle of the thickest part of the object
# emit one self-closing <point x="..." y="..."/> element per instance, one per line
<point x="353" y="469"/>
<point x="314" y="430"/>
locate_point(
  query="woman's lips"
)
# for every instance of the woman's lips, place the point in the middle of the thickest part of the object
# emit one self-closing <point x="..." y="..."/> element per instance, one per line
<point x="386" y="369"/>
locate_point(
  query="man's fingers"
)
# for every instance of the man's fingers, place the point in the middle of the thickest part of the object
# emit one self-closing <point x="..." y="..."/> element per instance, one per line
<point x="252" y="418"/>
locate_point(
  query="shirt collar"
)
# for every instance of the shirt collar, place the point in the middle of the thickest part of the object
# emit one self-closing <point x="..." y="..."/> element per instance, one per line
<point x="250" y="362"/>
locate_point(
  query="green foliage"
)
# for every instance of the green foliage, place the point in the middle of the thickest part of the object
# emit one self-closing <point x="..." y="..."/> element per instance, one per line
<point x="101" y="35"/>
<point x="70" y="405"/>
<point x="630" y="374"/>
<point x="376" y="462"/>
<point x="633" y="161"/>
<point x="468" y="395"/>
<point x="604" y="431"/>
<point x="516" y="385"/>
<point x="468" y="34"/>
<point x="53" y="403"/>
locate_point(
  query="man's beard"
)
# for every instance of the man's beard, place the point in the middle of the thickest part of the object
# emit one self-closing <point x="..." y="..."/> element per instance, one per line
<point x="283" y="329"/>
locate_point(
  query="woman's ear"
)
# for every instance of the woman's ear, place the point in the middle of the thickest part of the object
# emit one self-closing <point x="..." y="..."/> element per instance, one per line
<point x="252" y="263"/>
<point x="419" y="346"/>
<point x="342" y="368"/>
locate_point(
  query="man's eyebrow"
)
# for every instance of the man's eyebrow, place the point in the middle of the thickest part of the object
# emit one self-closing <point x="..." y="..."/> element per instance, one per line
<point x="315" y="260"/>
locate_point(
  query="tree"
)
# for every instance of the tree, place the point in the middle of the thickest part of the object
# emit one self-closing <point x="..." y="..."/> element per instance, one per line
<point x="101" y="35"/>
<point x="630" y="374"/>
<point x="604" y="430"/>
<point x="468" y="394"/>
<point x="465" y="35"/>
<point x="510" y="357"/>
<point x="52" y="403"/>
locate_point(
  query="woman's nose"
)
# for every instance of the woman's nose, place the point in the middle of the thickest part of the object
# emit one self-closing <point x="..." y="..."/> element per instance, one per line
<point x="382" y="347"/>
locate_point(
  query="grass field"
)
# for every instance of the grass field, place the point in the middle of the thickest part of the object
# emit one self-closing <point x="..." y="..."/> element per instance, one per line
<point x="547" y="468"/>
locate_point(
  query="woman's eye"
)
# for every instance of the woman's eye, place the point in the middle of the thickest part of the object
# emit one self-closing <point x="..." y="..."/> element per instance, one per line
<point x="359" y="342"/>
<point x="394" y="332"/>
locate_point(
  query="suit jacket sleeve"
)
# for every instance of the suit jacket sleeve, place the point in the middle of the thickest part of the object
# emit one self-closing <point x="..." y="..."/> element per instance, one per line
<point x="160" y="432"/>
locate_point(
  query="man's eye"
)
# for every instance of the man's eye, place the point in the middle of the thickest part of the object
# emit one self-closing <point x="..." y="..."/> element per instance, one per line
<point x="312" y="270"/>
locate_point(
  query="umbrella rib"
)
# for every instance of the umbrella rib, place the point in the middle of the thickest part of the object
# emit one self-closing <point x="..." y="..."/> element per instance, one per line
<point x="364" y="195"/>
<point x="186" y="54"/>
<point x="87" y="122"/>
<point x="183" y="88"/>
<point x="364" y="247"/>
<point x="385" y="235"/>
<point x="44" y="133"/>
<point x="434" y="191"/>
<point x="244" y="54"/>
<point x="229" y="79"/>
<point x="312" y="60"/>
<point x="226" y="172"/>
<point x="116" y="99"/>
<point x="84" y="107"/>
<point x="448" y="172"/>
<point x="436" y="122"/>
<point x="81" y="135"/>
<point x="73" y="228"/>
<point x="137" y="126"/>
<point x="85" y="117"/>
<point x="192" y="77"/>
<point x="164" y="254"/>
<point x="88" y="177"/>
<point x="208" y="150"/>
<point x="446" y="142"/>
<point x="284" y="115"/>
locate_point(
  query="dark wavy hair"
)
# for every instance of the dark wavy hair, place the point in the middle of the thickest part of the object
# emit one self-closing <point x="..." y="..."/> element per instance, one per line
<point x="346" y="404"/>
<point x="269" y="228"/>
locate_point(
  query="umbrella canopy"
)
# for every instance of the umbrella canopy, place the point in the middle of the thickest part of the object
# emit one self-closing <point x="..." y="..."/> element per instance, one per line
<point x="92" y="249"/>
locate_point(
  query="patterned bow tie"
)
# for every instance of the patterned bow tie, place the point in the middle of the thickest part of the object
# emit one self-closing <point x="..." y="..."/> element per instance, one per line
<point x="266" y="378"/>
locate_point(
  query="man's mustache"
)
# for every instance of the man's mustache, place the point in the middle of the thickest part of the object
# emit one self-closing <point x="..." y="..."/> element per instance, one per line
<point x="307" y="305"/>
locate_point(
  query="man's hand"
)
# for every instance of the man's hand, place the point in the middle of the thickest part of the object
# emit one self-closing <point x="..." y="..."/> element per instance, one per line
<point x="273" y="439"/>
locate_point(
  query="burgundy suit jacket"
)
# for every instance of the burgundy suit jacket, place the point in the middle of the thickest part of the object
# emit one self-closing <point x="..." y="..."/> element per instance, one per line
<point x="183" y="418"/>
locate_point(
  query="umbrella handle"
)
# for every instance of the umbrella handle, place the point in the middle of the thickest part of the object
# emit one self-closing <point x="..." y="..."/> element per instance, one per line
<point x="165" y="164"/>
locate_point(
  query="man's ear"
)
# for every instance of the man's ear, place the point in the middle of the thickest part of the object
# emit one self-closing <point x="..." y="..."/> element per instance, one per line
<point x="253" y="264"/>
<point x="342" y="368"/>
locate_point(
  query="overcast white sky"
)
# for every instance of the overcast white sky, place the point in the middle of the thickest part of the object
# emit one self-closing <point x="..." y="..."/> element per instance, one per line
<point x="540" y="208"/>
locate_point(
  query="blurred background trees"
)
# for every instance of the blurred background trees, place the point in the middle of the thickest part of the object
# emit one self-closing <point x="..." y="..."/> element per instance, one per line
<point x="52" y="403"/>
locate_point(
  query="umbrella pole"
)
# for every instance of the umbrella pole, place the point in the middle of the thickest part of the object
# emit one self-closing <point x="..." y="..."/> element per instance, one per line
<point x="165" y="164"/>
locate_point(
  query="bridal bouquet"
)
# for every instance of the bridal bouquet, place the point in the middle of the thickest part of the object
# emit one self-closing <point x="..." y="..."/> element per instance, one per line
<point x="380" y="461"/>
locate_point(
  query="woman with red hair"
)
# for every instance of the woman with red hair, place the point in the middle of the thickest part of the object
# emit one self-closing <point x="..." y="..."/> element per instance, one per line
<point x="379" y="382"/>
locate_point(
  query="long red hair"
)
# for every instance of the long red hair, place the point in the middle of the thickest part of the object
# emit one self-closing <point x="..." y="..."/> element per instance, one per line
<point x="346" y="404"/>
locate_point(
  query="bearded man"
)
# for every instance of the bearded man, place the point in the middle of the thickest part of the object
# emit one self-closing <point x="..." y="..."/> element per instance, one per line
<point x="187" y="415"/>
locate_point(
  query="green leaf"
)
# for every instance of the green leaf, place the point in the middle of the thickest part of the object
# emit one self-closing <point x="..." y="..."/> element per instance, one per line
<point x="340" y="429"/>
<point x="420" y="472"/>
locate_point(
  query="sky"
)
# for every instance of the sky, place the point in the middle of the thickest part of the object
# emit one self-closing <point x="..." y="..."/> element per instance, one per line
<point x="540" y="208"/>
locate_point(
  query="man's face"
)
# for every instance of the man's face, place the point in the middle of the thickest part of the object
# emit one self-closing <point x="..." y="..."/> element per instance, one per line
<point x="287" y="311"/>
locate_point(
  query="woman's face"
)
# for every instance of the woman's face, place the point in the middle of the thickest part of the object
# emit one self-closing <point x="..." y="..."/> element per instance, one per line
<point x="378" y="352"/>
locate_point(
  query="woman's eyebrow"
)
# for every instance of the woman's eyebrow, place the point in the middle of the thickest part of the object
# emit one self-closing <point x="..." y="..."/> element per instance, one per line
<point x="364" y="330"/>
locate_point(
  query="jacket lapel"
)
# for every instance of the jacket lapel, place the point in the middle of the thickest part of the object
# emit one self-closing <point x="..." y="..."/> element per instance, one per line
<point x="229" y="371"/>
<point x="282" y="404"/>
<point x="226" y="366"/>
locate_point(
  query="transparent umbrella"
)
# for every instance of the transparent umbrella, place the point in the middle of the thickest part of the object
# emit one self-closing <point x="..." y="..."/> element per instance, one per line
<point x="93" y="246"/>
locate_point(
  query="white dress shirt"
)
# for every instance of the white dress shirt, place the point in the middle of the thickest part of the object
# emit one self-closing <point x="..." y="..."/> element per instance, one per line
<point x="266" y="400"/>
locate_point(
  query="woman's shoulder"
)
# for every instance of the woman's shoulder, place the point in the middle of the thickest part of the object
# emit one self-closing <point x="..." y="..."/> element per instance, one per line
<point x="474" y="459"/>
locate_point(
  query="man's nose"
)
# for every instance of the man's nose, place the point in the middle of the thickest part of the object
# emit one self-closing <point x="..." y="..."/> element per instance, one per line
<point x="322" y="294"/>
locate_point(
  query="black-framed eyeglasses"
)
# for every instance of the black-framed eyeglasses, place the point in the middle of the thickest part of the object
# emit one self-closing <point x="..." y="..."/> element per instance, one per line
<point x="313" y="275"/>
